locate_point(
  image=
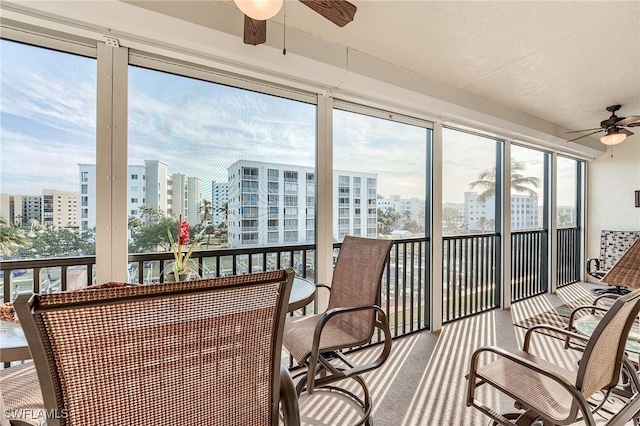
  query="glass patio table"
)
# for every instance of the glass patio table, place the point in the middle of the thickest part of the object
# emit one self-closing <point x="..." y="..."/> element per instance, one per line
<point x="586" y="327"/>
<point x="629" y="382"/>
<point x="13" y="344"/>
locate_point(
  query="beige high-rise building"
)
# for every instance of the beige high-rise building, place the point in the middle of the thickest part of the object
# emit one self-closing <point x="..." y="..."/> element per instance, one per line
<point x="60" y="208"/>
<point x="52" y="208"/>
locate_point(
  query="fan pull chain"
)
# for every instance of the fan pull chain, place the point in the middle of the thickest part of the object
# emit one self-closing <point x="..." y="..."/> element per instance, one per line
<point x="284" y="27"/>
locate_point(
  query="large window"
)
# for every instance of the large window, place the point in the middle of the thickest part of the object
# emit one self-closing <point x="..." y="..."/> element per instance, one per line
<point x="567" y="173"/>
<point x="48" y="128"/>
<point x="379" y="177"/>
<point x="529" y="222"/>
<point x="208" y="149"/>
<point x="468" y="183"/>
<point x="527" y="188"/>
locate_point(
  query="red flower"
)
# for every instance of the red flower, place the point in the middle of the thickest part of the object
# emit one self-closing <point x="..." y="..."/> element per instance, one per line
<point x="183" y="237"/>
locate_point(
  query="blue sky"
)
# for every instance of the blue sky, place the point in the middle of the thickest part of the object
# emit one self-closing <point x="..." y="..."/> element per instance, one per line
<point x="47" y="113"/>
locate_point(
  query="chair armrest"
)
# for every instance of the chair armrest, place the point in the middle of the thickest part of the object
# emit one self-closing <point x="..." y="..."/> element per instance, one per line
<point x="593" y="268"/>
<point x="593" y="308"/>
<point x="328" y="287"/>
<point x="569" y="387"/>
<point x="593" y="265"/>
<point x="568" y="334"/>
<point x="605" y="296"/>
<point x="381" y="322"/>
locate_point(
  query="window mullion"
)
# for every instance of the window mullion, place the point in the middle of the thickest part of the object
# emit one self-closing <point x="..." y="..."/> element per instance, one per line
<point x="111" y="164"/>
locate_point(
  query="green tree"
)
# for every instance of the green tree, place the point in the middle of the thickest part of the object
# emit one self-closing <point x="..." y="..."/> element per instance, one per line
<point x="421" y="219"/>
<point x="387" y="220"/>
<point x="149" y="215"/>
<point x="11" y="238"/>
<point x="224" y="209"/>
<point x="49" y="241"/>
<point x="482" y="224"/>
<point x="564" y="220"/>
<point x="413" y="226"/>
<point x="519" y="183"/>
<point x="453" y="222"/>
<point x="205" y="211"/>
<point x="149" y="230"/>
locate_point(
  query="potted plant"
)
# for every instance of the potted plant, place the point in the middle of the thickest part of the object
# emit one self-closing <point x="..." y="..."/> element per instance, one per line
<point x="183" y="266"/>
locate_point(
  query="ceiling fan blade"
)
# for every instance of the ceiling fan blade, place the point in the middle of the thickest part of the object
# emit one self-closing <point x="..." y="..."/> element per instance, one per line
<point x="584" y="136"/>
<point x="585" y="130"/>
<point x="637" y="124"/>
<point x="626" y="132"/>
<point x="255" y="32"/>
<point x="340" y="12"/>
<point x="628" y="120"/>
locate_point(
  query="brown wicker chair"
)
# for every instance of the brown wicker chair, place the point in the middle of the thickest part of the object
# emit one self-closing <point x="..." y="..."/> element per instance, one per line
<point x="350" y="320"/>
<point x="555" y="395"/>
<point x="187" y="353"/>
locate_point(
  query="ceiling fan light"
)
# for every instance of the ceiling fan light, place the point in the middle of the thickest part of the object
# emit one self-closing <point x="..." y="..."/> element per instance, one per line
<point x="259" y="10"/>
<point x="613" y="137"/>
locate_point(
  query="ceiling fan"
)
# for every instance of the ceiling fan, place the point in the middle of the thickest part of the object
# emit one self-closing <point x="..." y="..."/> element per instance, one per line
<point x="256" y="13"/>
<point x="613" y="127"/>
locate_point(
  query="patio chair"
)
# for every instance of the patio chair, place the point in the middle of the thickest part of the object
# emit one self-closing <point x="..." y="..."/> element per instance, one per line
<point x="317" y="341"/>
<point x="613" y="246"/>
<point x="187" y="353"/>
<point x="20" y="396"/>
<point x="552" y="394"/>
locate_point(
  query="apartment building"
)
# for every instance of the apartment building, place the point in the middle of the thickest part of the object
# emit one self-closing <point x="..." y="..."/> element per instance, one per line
<point x="271" y="203"/>
<point x="148" y="185"/>
<point x="480" y="216"/>
<point x="409" y="208"/>
<point x="50" y="208"/>
<point x="219" y="196"/>
<point x="60" y="208"/>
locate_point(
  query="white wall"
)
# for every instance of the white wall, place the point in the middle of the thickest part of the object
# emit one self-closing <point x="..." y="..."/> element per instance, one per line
<point x="613" y="182"/>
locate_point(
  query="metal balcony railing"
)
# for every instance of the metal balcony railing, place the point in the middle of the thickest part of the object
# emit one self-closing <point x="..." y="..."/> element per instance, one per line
<point x="471" y="272"/>
<point x="569" y="264"/>
<point x="470" y="275"/>
<point x="528" y="264"/>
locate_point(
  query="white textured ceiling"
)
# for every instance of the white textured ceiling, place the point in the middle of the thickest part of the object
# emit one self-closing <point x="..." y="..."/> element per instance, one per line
<point x="563" y="62"/>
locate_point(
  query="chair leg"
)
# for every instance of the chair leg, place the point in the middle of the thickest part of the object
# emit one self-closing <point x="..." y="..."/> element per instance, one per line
<point x="610" y="290"/>
<point x="288" y="398"/>
<point x="324" y="382"/>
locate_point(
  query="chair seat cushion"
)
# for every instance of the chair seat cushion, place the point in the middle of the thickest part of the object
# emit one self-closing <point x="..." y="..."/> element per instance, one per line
<point x="542" y="393"/>
<point x="20" y="391"/>
<point x="298" y="336"/>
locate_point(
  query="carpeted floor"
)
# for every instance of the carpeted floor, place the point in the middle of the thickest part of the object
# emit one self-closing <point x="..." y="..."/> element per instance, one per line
<point x="423" y="382"/>
<point x="557" y="316"/>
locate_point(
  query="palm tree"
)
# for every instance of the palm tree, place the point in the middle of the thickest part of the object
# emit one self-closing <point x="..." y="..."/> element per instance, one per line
<point x="205" y="210"/>
<point x="519" y="183"/>
<point x="224" y="209"/>
<point x="482" y="223"/>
